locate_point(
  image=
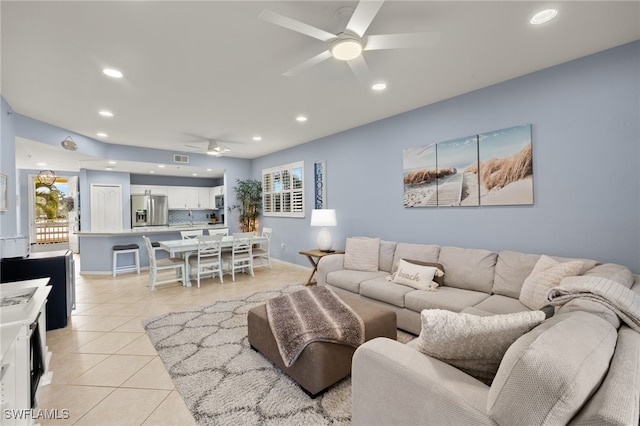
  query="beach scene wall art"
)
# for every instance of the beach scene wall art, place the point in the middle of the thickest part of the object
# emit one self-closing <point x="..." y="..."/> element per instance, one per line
<point x="493" y="168"/>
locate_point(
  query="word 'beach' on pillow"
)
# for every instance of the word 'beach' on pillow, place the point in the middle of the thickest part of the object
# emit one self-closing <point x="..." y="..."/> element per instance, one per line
<point x="417" y="276"/>
<point x="472" y="343"/>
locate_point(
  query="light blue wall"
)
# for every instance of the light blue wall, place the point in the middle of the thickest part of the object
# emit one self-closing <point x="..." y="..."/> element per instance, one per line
<point x="586" y="144"/>
<point x="8" y="219"/>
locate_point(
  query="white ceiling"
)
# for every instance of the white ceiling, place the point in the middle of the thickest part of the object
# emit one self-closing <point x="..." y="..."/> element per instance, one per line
<point x="213" y="70"/>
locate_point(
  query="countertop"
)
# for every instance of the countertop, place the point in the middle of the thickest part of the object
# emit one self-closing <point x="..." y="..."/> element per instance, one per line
<point x="153" y="229"/>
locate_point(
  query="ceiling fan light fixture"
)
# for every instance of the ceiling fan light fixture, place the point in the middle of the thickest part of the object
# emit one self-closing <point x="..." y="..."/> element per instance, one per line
<point x="346" y="49"/>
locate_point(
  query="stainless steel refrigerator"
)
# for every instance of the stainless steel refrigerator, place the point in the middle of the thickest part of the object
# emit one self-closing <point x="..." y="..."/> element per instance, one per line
<point x="149" y="210"/>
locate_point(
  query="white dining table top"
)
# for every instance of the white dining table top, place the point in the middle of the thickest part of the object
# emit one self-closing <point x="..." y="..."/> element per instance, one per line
<point x="175" y="246"/>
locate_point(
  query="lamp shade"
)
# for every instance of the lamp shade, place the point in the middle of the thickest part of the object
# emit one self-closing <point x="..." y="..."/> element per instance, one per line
<point x="323" y="217"/>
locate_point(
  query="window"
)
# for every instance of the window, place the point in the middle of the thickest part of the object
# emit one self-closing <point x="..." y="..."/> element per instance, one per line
<point x="283" y="190"/>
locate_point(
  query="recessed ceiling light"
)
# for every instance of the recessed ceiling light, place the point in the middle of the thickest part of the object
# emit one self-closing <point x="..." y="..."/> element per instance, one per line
<point x="112" y="72"/>
<point x="151" y="171"/>
<point x="257" y="138"/>
<point x="102" y="134"/>
<point x="106" y="113"/>
<point x="161" y="166"/>
<point x="109" y="168"/>
<point x="544" y="16"/>
<point x="41" y="164"/>
<point x="112" y="162"/>
<point x="379" y="87"/>
<point x="301" y="118"/>
<point x="194" y="174"/>
<point x="209" y="170"/>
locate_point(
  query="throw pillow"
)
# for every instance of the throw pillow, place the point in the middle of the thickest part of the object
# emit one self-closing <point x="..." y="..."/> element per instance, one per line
<point x="417" y="276"/>
<point x="471" y="343"/>
<point x="546" y="274"/>
<point x="361" y="254"/>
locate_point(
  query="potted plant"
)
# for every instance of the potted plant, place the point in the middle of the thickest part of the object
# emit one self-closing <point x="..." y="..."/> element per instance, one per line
<point x="249" y="202"/>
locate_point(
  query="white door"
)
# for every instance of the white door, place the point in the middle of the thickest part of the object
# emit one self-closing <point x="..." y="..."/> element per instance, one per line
<point x="74" y="214"/>
<point x="106" y="208"/>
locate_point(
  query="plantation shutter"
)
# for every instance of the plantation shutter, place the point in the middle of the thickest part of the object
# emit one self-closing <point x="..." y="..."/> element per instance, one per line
<point x="283" y="190"/>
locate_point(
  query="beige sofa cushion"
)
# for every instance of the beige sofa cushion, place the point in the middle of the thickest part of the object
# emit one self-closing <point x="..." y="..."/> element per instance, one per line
<point x="470" y="269"/>
<point x="501" y="305"/>
<point x="474" y="344"/>
<point x="548" y="374"/>
<point x="384" y="291"/>
<point x="350" y="280"/>
<point x="361" y="254"/>
<point x="614" y="272"/>
<point x="421" y="252"/>
<point x="449" y="298"/>
<point x="546" y="274"/>
<point x="617" y="400"/>
<point x="385" y="257"/>
<point x="512" y="268"/>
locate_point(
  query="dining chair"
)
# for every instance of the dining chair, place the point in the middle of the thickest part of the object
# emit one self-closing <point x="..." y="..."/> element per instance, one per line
<point x="209" y="257"/>
<point x="191" y="235"/>
<point x="219" y="231"/>
<point x="262" y="249"/>
<point x="240" y="256"/>
<point x="157" y="265"/>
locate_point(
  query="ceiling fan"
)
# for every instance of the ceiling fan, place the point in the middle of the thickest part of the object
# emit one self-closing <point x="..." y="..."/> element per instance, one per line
<point x="349" y="44"/>
<point x="212" y="147"/>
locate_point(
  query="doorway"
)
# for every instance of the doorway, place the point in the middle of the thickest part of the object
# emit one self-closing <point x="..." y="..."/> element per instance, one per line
<point x="54" y="215"/>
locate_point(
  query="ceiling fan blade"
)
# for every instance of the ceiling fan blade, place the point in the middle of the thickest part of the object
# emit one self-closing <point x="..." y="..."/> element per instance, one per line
<point x="194" y="147"/>
<point x="295" y="25"/>
<point x="308" y="63"/>
<point x="364" y="14"/>
<point x="360" y="69"/>
<point x="401" y="41"/>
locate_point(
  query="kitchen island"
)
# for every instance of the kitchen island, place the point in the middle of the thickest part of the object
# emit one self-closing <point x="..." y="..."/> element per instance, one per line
<point x="96" y="247"/>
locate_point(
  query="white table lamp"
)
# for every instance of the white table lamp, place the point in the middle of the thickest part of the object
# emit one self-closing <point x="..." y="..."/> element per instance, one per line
<point x="324" y="218"/>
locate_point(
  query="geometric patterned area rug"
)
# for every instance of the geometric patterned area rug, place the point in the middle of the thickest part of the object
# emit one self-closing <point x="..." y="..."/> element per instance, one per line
<point x="224" y="382"/>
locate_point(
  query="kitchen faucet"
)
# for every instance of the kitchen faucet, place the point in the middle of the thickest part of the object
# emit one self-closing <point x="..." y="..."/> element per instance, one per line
<point x="190" y="218"/>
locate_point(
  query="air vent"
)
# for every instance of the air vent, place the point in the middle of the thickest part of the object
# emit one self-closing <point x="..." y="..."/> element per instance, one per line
<point x="180" y="158"/>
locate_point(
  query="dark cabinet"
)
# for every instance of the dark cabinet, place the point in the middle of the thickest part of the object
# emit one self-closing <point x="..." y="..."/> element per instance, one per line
<point x="59" y="267"/>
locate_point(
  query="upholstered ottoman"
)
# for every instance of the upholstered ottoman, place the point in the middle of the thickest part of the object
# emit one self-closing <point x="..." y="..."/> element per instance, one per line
<point x="320" y="364"/>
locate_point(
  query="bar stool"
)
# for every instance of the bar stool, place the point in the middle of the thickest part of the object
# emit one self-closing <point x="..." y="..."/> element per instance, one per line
<point x="122" y="249"/>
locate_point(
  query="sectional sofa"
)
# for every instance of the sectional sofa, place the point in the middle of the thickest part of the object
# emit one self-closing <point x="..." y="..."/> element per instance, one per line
<point x="581" y="366"/>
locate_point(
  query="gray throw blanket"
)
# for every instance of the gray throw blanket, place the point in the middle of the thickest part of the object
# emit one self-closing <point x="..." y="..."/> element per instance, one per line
<point x="620" y="299"/>
<point x="311" y="315"/>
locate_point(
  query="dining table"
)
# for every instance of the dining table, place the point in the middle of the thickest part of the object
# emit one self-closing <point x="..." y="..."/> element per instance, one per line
<point x="187" y="247"/>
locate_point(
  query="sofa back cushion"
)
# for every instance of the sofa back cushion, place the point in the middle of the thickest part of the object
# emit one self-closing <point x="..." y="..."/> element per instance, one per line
<point x="385" y="257"/>
<point x="618" y="273"/>
<point x="361" y="254"/>
<point x="548" y="374"/>
<point x="469" y="269"/>
<point x="512" y="268"/>
<point x="421" y="252"/>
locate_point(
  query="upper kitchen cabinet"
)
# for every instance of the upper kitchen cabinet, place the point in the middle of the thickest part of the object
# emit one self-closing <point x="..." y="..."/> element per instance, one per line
<point x="204" y="198"/>
<point x="183" y="197"/>
<point x="149" y="189"/>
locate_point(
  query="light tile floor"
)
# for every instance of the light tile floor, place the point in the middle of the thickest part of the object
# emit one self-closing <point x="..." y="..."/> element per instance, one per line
<point x="105" y="370"/>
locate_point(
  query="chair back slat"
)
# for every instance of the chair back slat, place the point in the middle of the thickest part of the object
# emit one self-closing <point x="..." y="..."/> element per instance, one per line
<point x="191" y="235"/>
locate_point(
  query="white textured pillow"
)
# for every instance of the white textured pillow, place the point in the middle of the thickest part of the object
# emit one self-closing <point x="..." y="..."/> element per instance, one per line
<point x="472" y="343"/>
<point x="546" y="274"/>
<point x="361" y="254"/>
<point x="417" y="276"/>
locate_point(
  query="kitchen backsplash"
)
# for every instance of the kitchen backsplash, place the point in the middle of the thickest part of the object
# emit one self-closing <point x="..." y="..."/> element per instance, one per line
<point x="177" y="217"/>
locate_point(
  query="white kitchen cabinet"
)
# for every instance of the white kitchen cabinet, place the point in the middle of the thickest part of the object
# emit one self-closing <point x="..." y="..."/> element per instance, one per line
<point x="183" y="197"/>
<point x="204" y="198"/>
<point x="152" y="189"/>
<point x="217" y="190"/>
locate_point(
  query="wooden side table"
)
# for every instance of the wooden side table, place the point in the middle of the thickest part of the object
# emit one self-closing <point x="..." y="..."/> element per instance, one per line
<point x="314" y="257"/>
